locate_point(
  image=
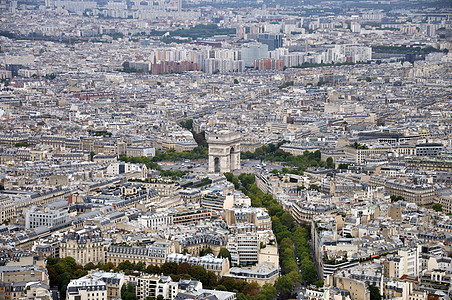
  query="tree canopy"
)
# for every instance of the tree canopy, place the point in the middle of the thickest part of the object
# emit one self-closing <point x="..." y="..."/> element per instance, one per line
<point x="437" y="207"/>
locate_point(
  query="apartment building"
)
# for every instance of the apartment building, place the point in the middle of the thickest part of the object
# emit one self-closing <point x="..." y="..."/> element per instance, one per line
<point x="147" y="286"/>
<point x="192" y="216"/>
<point x="154" y="254"/>
<point x="194" y="244"/>
<point x="440" y="163"/>
<point x="86" y="288"/>
<point x="421" y="194"/>
<point x="261" y="274"/>
<point x="7" y="209"/>
<point x="84" y="246"/>
<point x="304" y="211"/>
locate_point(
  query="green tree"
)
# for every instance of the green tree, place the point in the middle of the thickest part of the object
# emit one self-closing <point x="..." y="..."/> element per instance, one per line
<point x="286" y="84"/>
<point x="246" y="179"/>
<point x="151" y="269"/>
<point x="236" y="183"/>
<point x="285" y="243"/>
<point x="395" y="198"/>
<point x="108" y="266"/>
<point x="183" y="268"/>
<point x="169" y="268"/>
<point x="212" y="279"/>
<point x="268" y="292"/>
<point x="284" y="284"/>
<point x="128" y="292"/>
<point x="358" y="146"/>
<point x="437" y="207"/>
<point x="236" y="81"/>
<point x="288" y="221"/>
<point x="21" y="144"/>
<point x="274" y="172"/>
<point x="330" y="163"/>
<point x="251" y="289"/>
<point x="200" y="274"/>
<point x="228" y="176"/>
<point x="89" y="266"/>
<point x="242" y="296"/>
<point x="206" y="251"/>
<point x="289" y="235"/>
<point x="231" y="284"/>
<point x="374" y="292"/>
<point x="224" y="252"/>
<point x="343" y="166"/>
<point x="62" y="270"/>
<point x="295" y="277"/>
<point x="187" y="124"/>
<point x="126" y="266"/>
<point x="308" y="270"/>
<point x="314" y="187"/>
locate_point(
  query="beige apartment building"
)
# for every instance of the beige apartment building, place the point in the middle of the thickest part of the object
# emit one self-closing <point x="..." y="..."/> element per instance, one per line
<point x="83" y="247"/>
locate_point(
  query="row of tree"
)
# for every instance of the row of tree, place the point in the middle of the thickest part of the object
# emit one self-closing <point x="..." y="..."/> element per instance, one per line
<point x="262" y="152"/>
<point x="153" y="165"/>
<point x="199" y="152"/>
<point x="293" y="239"/>
<point x="62" y="270"/>
<point x="299" y="163"/>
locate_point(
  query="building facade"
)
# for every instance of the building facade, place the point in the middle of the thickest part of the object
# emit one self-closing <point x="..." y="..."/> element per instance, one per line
<point x="224" y="151"/>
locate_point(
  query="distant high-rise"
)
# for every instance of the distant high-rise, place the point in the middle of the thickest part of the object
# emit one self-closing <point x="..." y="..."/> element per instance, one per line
<point x="3" y="5"/>
<point x="273" y="41"/>
<point x="252" y="52"/>
<point x="8" y="5"/>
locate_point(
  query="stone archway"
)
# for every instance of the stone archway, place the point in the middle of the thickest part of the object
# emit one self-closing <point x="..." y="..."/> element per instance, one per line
<point x="217" y="165"/>
<point x="224" y="151"/>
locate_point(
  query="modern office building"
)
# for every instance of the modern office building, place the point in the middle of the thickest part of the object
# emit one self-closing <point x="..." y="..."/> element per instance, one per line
<point x="252" y="52"/>
<point x="217" y="201"/>
<point x="244" y="249"/>
<point x="48" y="217"/>
<point x="272" y="40"/>
<point x="429" y="149"/>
